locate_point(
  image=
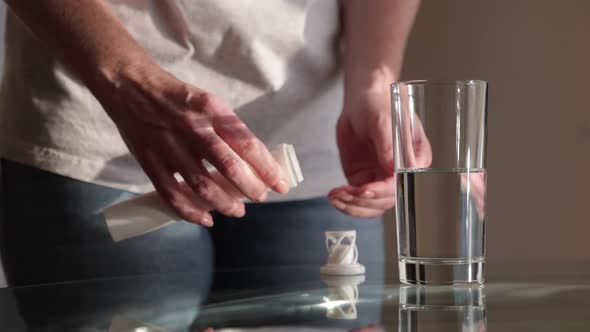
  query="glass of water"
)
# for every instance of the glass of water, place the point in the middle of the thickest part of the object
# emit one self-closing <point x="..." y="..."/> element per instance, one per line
<point x="440" y="164"/>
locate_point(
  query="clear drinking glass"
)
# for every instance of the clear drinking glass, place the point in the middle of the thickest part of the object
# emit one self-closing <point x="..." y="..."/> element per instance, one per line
<point x="440" y="165"/>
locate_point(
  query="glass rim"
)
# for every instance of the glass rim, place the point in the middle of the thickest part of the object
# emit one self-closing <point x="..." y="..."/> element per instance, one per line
<point x="438" y="82"/>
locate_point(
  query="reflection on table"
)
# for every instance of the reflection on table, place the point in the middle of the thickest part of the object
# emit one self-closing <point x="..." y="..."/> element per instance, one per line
<point x="292" y="299"/>
<point x="444" y="308"/>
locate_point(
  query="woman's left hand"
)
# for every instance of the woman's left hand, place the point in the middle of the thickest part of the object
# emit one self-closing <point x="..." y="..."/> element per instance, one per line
<point x="364" y="136"/>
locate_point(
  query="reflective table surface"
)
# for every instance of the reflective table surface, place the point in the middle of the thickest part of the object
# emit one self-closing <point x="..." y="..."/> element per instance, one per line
<point x="294" y="299"/>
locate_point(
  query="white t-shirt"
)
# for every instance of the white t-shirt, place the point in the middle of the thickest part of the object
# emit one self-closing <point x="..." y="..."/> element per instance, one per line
<point x="276" y="62"/>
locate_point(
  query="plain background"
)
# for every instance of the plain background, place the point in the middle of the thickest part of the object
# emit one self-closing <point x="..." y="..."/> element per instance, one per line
<point x="535" y="54"/>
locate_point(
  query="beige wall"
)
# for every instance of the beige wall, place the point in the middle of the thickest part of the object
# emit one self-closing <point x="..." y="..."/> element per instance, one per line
<point x="536" y="56"/>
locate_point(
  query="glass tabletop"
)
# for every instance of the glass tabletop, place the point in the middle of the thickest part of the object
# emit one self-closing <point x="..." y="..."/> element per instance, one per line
<point x="293" y="299"/>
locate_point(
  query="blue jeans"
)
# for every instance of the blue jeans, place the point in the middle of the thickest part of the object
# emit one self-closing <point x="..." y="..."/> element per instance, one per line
<point x="52" y="230"/>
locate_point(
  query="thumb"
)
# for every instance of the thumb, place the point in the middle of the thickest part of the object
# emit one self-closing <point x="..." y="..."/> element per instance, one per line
<point x="382" y="138"/>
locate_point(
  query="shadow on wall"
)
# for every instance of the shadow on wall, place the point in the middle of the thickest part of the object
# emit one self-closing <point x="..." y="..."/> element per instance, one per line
<point x="2" y="277"/>
<point x="2" y="21"/>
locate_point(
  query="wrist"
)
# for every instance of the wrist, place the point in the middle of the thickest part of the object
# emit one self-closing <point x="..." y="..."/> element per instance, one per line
<point x="115" y="74"/>
<point x="111" y="74"/>
<point x="372" y="80"/>
<point x="370" y="84"/>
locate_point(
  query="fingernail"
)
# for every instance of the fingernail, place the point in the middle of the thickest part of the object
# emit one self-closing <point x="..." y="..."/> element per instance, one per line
<point x="338" y="204"/>
<point x="206" y="221"/>
<point x="262" y="197"/>
<point x="283" y="187"/>
<point x="235" y="209"/>
<point x="240" y="210"/>
<point x="346" y="197"/>
<point x="367" y="194"/>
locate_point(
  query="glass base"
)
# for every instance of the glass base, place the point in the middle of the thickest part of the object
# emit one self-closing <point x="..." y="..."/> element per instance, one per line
<point x="431" y="271"/>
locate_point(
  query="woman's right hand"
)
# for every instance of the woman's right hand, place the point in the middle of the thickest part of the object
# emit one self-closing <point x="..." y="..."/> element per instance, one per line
<point x="172" y="127"/>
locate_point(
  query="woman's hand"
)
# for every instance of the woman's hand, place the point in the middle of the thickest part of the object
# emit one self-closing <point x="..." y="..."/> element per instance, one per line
<point x="170" y="126"/>
<point x="173" y="127"/>
<point x="366" y="152"/>
<point x="375" y="34"/>
<point x="364" y="133"/>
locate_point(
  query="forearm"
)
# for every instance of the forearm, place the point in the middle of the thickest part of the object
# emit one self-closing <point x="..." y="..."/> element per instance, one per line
<point x="375" y="35"/>
<point x="85" y="36"/>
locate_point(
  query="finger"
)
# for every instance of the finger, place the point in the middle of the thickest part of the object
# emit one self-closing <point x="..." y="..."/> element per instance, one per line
<point x="370" y="328"/>
<point x="356" y="211"/>
<point x="479" y="193"/>
<point x="226" y="185"/>
<point x="373" y="203"/>
<point x="212" y="194"/>
<point x="341" y="189"/>
<point x="253" y="151"/>
<point x="172" y="192"/>
<point x="382" y="138"/>
<point x="377" y="189"/>
<point x="198" y="179"/>
<point x="421" y="146"/>
<point x="473" y="183"/>
<point x="229" y="164"/>
<point x="478" y="182"/>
